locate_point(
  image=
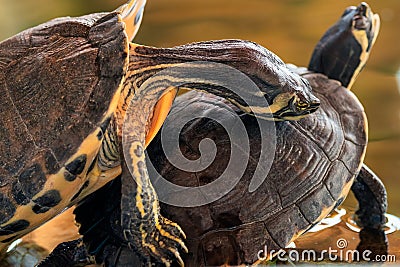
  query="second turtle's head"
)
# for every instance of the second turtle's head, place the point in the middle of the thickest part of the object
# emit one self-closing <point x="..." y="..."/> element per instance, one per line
<point x="290" y="98"/>
<point x="344" y="49"/>
<point x="281" y="93"/>
<point x="292" y="101"/>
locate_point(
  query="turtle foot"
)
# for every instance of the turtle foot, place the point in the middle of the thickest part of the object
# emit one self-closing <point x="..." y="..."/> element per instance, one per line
<point x="163" y="244"/>
<point x="71" y="253"/>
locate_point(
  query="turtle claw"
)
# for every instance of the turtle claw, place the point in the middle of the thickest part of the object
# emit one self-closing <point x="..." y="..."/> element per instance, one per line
<point x="165" y="242"/>
<point x="178" y="258"/>
<point x="173" y="231"/>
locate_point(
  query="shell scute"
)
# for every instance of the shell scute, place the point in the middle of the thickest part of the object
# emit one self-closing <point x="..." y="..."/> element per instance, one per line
<point x="322" y="129"/>
<point x="289" y="223"/>
<point x="317" y="204"/>
<point x="355" y="121"/>
<point x="299" y="164"/>
<point x="336" y="179"/>
<point x="349" y="149"/>
<point x="248" y="247"/>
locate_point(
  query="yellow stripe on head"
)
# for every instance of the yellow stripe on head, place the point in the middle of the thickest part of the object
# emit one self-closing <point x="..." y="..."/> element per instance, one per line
<point x="365" y="43"/>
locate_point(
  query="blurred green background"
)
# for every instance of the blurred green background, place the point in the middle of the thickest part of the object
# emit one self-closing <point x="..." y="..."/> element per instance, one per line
<point x="290" y="28"/>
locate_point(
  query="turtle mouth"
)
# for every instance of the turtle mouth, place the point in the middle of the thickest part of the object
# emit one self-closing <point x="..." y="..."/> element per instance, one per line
<point x="362" y="9"/>
<point x="313" y="107"/>
<point x="363" y="18"/>
<point x="361" y="22"/>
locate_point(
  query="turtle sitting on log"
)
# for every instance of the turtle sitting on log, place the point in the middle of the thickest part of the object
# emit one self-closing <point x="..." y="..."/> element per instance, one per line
<point x="66" y="87"/>
<point x="317" y="161"/>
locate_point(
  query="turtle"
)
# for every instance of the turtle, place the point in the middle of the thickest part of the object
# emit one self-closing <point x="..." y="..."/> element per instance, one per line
<point x="317" y="161"/>
<point x="68" y="86"/>
<point x="319" y="158"/>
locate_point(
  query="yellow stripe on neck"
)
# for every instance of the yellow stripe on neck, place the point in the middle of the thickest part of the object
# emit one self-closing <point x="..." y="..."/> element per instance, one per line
<point x="362" y="39"/>
<point x="280" y="102"/>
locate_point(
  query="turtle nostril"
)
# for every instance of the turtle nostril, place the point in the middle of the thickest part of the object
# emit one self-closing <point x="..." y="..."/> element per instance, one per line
<point x="313" y="107"/>
<point x="315" y="104"/>
<point x="362" y="8"/>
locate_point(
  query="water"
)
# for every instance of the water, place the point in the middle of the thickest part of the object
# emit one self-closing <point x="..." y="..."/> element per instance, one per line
<point x="290" y="28"/>
<point x="339" y="232"/>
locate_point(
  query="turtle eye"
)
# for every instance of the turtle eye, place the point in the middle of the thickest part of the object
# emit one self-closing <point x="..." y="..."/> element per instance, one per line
<point x="302" y="105"/>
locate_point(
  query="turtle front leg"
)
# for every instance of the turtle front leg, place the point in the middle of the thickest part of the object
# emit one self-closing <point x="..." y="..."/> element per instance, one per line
<point x="145" y="230"/>
<point x="68" y="254"/>
<point x="371" y="195"/>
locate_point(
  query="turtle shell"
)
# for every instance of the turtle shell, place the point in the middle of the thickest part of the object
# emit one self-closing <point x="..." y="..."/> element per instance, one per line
<point x="316" y="160"/>
<point x="60" y="84"/>
<point x="314" y="165"/>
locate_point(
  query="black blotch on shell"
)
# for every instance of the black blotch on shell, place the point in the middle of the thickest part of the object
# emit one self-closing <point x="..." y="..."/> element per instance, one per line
<point x="137" y="18"/>
<point x="19" y="195"/>
<point x="69" y="177"/>
<point x="8" y="240"/>
<point x="44" y="203"/>
<point x="338" y="203"/>
<point x="100" y="135"/>
<point x="7" y="209"/>
<point x="32" y="180"/>
<point x="75" y="168"/>
<point x="14" y="227"/>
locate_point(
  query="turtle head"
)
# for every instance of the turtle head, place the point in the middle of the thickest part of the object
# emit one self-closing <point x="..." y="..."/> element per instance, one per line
<point x="281" y="93"/>
<point x="291" y="101"/>
<point x="294" y="100"/>
<point x="344" y="49"/>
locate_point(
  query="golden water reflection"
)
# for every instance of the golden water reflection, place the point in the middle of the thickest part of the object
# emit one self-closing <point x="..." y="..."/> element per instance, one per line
<point x="344" y="236"/>
<point x="290" y="28"/>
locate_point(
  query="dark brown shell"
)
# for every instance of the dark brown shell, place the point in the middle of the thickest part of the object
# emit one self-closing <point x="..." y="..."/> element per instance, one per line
<point x="314" y="166"/>
<point x="56" y="81"/>
<point x="315" y="162"/>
